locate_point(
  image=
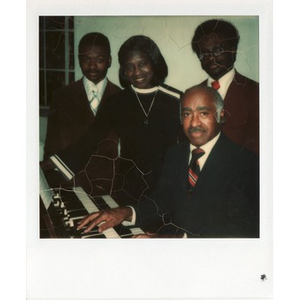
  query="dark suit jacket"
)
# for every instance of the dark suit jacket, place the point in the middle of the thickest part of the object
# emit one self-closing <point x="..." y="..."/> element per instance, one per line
<point x="241" y="105"/>
<point x="70" y="116"/>
<point x="224" y="203"/>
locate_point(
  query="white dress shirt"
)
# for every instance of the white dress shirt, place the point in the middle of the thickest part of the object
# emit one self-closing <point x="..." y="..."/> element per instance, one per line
<point x="224" y="82"/>
<point x="98" y="89"/>
<point x="206" y="148"/>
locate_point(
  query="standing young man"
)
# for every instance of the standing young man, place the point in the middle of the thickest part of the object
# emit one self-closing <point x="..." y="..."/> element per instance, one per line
<point x="74" y="107"/>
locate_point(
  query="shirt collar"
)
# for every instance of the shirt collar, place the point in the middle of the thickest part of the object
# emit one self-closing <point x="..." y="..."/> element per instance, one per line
<point x="224" y="82"/>
<point x="91" y="86"/>
<point x="209" y="145"/>
<point x="145" y="91"/>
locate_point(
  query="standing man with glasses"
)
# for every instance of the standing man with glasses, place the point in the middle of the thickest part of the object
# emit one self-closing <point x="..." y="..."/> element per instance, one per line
<point x="216" y="43"/>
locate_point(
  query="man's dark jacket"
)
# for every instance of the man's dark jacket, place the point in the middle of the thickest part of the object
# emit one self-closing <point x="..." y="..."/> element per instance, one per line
<point x="241" y="105"/>
<point x="70" y="117"/>
<point x="224" y="202"/>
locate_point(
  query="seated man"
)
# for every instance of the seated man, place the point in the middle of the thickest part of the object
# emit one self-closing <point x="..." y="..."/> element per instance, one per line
<point x="210" y="192"/>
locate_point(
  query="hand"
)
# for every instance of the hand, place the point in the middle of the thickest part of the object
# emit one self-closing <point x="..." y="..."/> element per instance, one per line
<point x="106" y="219"/>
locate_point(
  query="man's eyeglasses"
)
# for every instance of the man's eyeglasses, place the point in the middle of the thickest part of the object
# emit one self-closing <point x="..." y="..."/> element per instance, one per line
<point x="217" y="51"/>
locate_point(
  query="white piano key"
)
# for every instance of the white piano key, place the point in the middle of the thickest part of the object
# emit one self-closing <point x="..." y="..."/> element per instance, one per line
<point x="46" y="192"/>
<point x="137" y="231"/>
<point x="110" y="201"/>
<point x="91" y="208"/>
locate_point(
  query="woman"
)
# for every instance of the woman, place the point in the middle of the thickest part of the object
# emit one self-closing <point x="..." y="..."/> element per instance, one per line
<point x="145" y="116"/>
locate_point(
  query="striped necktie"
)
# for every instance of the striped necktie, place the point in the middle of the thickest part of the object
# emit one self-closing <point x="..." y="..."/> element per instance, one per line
<point x="194" y="168"/>
<point x="215" y="85"/>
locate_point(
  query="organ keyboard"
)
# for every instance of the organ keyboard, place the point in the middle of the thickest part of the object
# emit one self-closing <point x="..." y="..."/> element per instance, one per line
<point x="62" y="208"/>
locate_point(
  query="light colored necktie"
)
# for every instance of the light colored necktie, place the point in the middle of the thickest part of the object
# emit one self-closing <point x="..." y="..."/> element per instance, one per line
<point x="215" y="85"/>
<point x="94" y="102"/>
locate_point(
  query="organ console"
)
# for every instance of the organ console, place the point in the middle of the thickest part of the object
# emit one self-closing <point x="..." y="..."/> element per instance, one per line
<point x="62" y="208"/>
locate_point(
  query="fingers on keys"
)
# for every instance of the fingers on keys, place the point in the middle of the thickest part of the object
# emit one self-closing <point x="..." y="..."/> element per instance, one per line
<point x="91" y="221"/>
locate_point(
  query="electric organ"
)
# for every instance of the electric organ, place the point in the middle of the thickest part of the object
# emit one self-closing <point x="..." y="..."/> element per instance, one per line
<point x="62" y="208"/>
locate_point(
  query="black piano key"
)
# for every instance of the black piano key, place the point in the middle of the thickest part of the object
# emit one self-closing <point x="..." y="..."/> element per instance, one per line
<point x="101" y="203"/>
<point x="93" y="234"/>
<point x="71" y="201"/>
<point x="123" y="230"/>
<point x="77" y="213"/>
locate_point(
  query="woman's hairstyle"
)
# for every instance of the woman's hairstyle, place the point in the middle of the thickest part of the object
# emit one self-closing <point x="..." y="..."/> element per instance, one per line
<point x="221" y="28"/>
<point x="94" y="39"/>
<point x="146" y="45"/>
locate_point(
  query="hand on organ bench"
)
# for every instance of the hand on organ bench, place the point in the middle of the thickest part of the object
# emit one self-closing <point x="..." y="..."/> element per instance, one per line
<point x="106" y="219"/>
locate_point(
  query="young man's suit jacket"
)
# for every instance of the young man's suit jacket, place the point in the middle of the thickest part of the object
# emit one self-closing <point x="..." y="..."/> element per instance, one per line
<point x="224" y="202"/>
<point x="70" y="116"/>
<point x="241" y="106"/>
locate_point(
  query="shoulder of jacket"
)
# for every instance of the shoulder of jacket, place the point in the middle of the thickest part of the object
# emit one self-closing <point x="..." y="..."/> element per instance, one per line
<point x="203" y="82"/>
<point x="113" y="86"/>
<point x="236" y="151"/>
<point x="241" y="79"/>
<point x="171" y="91"/>
<point x="70" y="87"/>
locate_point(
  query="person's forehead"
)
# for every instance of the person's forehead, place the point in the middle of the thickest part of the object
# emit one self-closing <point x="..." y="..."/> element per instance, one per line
<point x="93" y="50"/>
<point x="135" y="55"/>
<point x="211" y="40"/>
<point x="196" y="100"/>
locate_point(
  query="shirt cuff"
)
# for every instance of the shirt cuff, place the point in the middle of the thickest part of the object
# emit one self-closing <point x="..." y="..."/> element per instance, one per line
<point x="133" y="218"/>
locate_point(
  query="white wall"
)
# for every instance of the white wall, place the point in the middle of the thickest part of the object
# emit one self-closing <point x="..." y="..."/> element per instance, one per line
<point x="173" y="35"/>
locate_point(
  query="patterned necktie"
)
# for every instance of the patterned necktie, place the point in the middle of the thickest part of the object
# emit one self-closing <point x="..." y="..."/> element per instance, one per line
<point x="94" y="102"/>
<point x="194" y="168"/>
<point x="215" y="85"/>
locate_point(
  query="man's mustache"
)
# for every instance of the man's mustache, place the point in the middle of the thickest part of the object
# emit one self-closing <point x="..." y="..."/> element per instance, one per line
<point x="196" y="129"/>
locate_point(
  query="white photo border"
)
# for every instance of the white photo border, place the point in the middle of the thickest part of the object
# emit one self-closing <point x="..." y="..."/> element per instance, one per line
<point x="160" y="269"/>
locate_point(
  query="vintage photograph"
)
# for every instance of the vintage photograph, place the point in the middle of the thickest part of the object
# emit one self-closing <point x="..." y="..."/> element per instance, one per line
<point x="149" y="126"/>
<point x="149" y="150"/>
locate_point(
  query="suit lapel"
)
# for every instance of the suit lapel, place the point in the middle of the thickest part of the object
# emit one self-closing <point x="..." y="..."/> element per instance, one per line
<point x="185" y="164"/>
<point x="237" y="82"/>
<point x="215" y="166"/>
<point x="181" y="174"/>
<point x="82" y="102"/>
